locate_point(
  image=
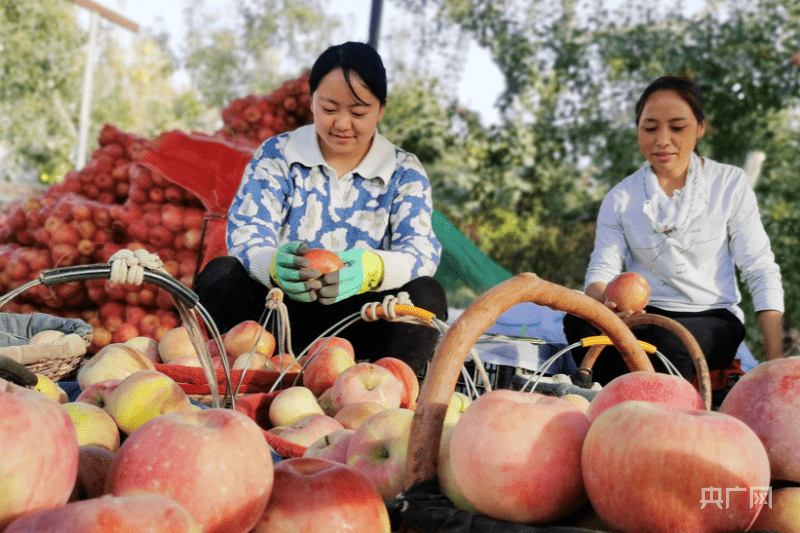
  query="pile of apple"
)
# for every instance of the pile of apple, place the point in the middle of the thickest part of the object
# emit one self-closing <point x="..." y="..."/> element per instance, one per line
<point x="133" y="430"/>
<point x="255" y="118"/>
<point x="116" y="202"/>
<point x="643" y="455"/>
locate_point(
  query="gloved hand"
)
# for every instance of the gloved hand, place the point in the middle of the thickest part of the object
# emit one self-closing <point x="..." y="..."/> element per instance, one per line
<point x="363" y="272"/>
<point x="289" y="270"/>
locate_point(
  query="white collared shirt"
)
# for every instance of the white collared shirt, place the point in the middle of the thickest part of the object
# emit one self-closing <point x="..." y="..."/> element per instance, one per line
<point x="690" y="264"/>
<point x="289" y="193"/>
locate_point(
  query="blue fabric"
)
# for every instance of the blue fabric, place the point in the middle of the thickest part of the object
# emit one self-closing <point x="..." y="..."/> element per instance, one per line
<point x="27" y="325"/>
<point x="71" y="388"/>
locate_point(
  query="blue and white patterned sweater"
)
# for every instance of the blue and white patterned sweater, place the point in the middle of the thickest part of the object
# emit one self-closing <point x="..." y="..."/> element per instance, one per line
<point x="288" y="193"/>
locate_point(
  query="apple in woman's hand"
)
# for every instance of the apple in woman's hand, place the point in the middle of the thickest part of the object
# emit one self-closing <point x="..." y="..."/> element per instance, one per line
<point x="323" y="260"/>
<point x="629" y="291"/>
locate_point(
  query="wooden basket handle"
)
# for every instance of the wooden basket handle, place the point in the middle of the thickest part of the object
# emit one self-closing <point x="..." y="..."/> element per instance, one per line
<point x="443" y="371"/>
<point x="685" y="336"/>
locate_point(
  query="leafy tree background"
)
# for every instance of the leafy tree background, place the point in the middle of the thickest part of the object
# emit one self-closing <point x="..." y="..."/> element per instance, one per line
<point x="525" y="190"/>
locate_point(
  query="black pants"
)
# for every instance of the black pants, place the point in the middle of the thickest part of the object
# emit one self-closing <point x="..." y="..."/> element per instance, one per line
<point x="718" y="332"/>
<point x="231" y="296"/>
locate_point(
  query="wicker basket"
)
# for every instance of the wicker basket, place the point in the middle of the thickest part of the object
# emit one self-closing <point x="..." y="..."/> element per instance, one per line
<point x="56" y="360"/>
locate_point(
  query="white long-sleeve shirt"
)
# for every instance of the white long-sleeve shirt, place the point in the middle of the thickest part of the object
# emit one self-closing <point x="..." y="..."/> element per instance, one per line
<point x="688" y="246"/>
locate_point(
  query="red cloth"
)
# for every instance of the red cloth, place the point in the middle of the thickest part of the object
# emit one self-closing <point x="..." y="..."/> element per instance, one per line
<point x="209" y="167"/>
<point x="193" y="380"/>
<point x="255" y="402"/>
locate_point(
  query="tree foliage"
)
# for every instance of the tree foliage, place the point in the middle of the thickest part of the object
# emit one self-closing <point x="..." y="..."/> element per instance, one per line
<point x="573" y="71"/>
<point x="250" y="48"/>
<point x="40" y="76"/>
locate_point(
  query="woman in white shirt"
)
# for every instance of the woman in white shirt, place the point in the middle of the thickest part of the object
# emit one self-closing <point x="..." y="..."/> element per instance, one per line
<point x="686" y="223"/>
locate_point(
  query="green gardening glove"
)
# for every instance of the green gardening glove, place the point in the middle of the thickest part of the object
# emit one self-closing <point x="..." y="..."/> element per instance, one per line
<point x="289" y="271"/>
<point x="363" y="271"/>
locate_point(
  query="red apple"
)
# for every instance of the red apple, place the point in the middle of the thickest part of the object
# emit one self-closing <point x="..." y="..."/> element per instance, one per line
<point x="147" y="346"/>
<point x="292" y="404"/>
<point x="114" y="361"/>
<point x="97" y="393"/>
<point x="247" y="336"/>
<point x="405" y="375"/>
<point x="766" y="399"/>
<point x="94" y="464"/>
<point x="143" y="396"/>
<point x="93" y="425"/>
<point x="332" y="446"/>
<point x="629" y="291"/>
<point x="126" y="514"/>
<point x="286" y="363"/>
<point x="326" y="403"/>
<point x="253" y="361"/>
<point x="444" y="472"/>
<point x="658" y="468"/>
<point x="324" y="367"/>
<point x="323" y="260"/>
<point x="39" y="448"/>
<point x="322" y="496"/>
<point x="352" y="415"/>
<point x="379" y="449"/>
<point x="175" y="344"/>
<point x="366" y="382"/>
<point x="328" y="342"/>
<point x="782" y="513"/>
<point x="516" y="456"/>
<point x="309" y="429"/>
<point x="214" y="462"/>
<point x="648" y="387"/>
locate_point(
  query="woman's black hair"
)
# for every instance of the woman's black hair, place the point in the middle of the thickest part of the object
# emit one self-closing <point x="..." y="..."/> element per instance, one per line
<point x="356" y="57"/>
<point x="689" y="91"/>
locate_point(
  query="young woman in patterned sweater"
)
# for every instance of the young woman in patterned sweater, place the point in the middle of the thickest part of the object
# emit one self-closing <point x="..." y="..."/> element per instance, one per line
<point x="338" y="185"/>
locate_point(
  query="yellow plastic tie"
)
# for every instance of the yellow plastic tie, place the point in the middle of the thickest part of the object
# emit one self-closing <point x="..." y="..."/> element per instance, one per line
<point x="605" y="340"/>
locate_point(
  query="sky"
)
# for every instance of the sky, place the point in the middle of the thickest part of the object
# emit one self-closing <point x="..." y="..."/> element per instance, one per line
<point x="480" y="85"/>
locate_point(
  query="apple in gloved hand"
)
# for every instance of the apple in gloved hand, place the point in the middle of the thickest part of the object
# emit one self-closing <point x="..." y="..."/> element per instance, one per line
<point x="323" y="260"/>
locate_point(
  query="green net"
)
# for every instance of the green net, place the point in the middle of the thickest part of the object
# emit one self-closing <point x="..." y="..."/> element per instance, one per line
<point x="463" y="265"/>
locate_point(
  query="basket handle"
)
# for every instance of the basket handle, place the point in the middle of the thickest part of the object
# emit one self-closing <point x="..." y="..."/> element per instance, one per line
<point x="685" y="336"/>
<point x="185" y="300"/>
<point x="440" y="380"/>
<point x="103" y="271"/>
